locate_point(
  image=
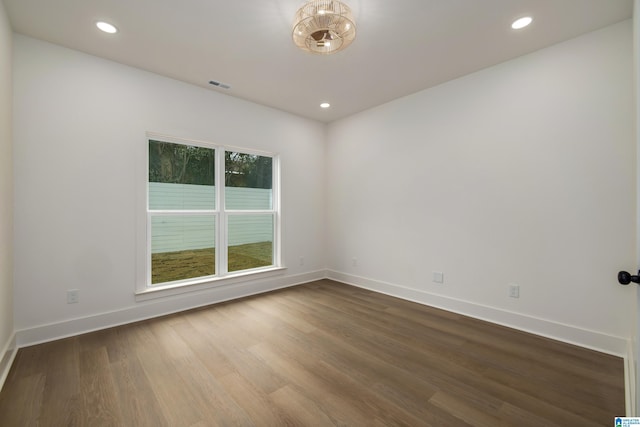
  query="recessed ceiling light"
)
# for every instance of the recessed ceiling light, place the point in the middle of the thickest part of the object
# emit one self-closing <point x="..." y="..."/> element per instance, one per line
<point x="521" y="23"/>
<point x="325" y="105"/>
<point x="106" y="27"/>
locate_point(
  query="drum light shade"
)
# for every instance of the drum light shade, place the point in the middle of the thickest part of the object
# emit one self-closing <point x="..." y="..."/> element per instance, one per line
<point x="324" y="26"/>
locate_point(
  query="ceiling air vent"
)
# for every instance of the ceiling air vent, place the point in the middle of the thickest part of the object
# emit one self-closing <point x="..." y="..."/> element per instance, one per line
<point x="220" y="85"/>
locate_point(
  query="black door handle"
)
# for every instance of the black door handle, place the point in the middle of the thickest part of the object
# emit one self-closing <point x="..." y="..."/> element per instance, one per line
<point x="624" y="278"/>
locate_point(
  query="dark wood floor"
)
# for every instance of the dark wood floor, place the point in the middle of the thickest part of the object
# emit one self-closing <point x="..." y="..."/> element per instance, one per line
<point x="320" y="354"/>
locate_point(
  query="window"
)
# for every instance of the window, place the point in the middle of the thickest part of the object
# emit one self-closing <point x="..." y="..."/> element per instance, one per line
<point x="249" y="205"/>
<point x="199" y="230"/>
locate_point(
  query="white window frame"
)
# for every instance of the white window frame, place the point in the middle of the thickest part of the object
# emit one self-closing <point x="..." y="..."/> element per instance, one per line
<point x="144" y="289"/>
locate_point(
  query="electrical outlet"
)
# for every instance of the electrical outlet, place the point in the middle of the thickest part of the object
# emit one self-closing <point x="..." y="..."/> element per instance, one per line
<point x="73" y="296"/>
<point x="438" y="277"/>
<point x="354" y="262"/>
<point x="301" y="261"/>
<point x="514" y="291"/>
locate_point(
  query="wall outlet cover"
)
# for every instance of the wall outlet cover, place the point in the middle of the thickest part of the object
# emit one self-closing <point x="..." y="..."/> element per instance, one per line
<point x="514" y="291"/>
<point x="73" y="296"/>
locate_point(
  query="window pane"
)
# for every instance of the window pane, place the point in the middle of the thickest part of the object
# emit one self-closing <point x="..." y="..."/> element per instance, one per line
<point x="182" y="247"/>
<point x="181" y="177"/>
<point x="248" y="181"/>
<point x="250" y="241"/>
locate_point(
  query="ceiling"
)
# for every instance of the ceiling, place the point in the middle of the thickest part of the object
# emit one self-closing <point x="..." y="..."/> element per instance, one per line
<point x="401" y="47"/>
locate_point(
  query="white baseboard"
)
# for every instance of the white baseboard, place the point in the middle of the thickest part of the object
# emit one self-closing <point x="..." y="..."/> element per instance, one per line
<point x="159" y="307"/>
<point x="630" y="379"/>
<point x="7" y="356"/>
<point x="593" y="340"/>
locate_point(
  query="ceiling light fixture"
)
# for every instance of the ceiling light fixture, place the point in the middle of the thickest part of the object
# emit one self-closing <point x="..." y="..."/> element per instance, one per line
<point x="518" y="24"/>
<point x="106" y="27"/>
<point x="323" y="26"/>
<point x="325" y="105"/>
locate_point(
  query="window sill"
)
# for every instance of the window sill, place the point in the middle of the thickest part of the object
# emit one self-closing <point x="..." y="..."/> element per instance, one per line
<point x="200" y="285"/>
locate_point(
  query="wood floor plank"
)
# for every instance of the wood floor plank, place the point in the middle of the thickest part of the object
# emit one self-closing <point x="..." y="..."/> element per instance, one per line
<point x="62" y="401"/>
<point x="304" y="411"/>
<point x="137" y="400"/>
<point x="319" y="354"/>
<point x="464" y="410"/>
<point x="25" y="403"/>
<point x="28" y="361"/>
<point x="548" y="391"/>
<point x="340" y="400"/>
<point x="174" y="395"/>
<point x="516" y="416"/>
<point x="237" y="353"/>
<point x="201" y="344"/>
<point x="270" y="306"/>
<point x="97" y="390"/>
<point x="389" y="393"/>
<point x="217" y="406"/>
<point x="262" y="410"/>
<point x="541" y="361"/>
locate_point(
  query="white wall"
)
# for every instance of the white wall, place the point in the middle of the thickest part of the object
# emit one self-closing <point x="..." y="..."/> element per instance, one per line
<point x="79" y="125"/>
<point x="521" y="173"/>
<point x="6" y="196"/>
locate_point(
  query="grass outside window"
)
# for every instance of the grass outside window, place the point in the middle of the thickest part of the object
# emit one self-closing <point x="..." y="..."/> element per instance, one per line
<point x="171" y="266"/>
